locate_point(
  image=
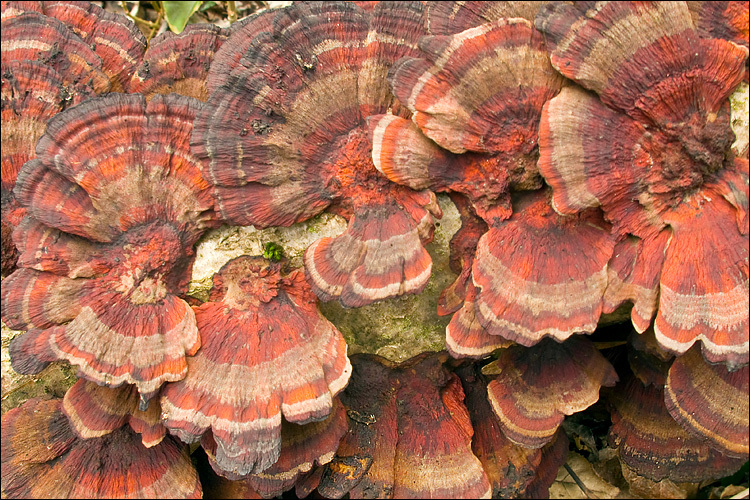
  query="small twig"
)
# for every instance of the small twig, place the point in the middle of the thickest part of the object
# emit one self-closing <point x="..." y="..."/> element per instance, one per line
<point x="580" y="484"/>
<point x="231" y="11"/>
<point x="157" y="24"/>
<point x="132" y="15"/>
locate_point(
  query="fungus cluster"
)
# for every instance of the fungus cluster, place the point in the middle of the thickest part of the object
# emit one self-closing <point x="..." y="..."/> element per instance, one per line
<point x="587" y="147"/>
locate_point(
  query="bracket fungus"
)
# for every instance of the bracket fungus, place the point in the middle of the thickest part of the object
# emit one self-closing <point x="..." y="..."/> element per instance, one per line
<point x="534" y="388"/>
<point x="95" y="411"/>
<point x="179" y="62"/>
<point x="43" y="458"/>
<point x="112" y="36"/>
<point x="448" y="18"/>
<point x="651" y="443"/>
<point x="409" y="434"/>
<point x="35" y="37"/>
<point x="285" y="138"/>
<point x="32" y="93"/>
<point x="710" y="402"/>
<point x="668" y="168"/>
<point x="510" y="468"/>
<point x="116" y="202"/>
<point x="266" y="351"/>
<point x="302" y="448"/>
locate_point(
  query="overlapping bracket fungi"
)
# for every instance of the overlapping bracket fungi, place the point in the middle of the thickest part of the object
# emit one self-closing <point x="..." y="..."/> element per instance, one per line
<point x="43" y="458"/>
<point x="302" y="448"/>
<point x="266" y="351"/>
<point x="726" y="20"/>
<point x="652" y="444"/>
<point x="510" y="468"/>
<point x="179" y="62"/>
<point x="112" y="36"/>
<point x="95" y="411"/>
<point x="668" y="168"/>
<point x="710" y="402"/>
<point x="116" y="202"/>
<point x="409" y="434"/>
<point x="479" y="94"/>
<point x="285" y="138"/>
<point x="534" y="388"/>
<point x="46" y="67"/>
<point x="448" y="18"/>
<point x="32" y="93"/>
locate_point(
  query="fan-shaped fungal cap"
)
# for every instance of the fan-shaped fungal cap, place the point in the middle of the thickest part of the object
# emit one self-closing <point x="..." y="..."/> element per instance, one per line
<point x="114" y="37"/>
<point x="267" y="350"/>
<point x="447" y="18"/>
<point x="465" y="337"/>
<point x="710" y="402"/>
<point x="13" y="9"/>
<point x="280" y="146"/>
<point x="31" y="94"/>
<point x="42" y="458"/>
<point x="704" y="281"/>
<point x="651" y="443"/>
<point x="178" y="62"/>
<point x="36" y="37"/>
<point x="94" y="411"/>
<point x="726" y="20"/>
<point x="122" y="201"/>
<point x="541" y="274"/>
<point x="509" y="467"/>
<point x="633" y="274"/>
<point x="464" y="99"/>
<point x="302" y="447"/>
<point x="409" y="434"/>
<point x="536" y="387"/>
<point x="643" y="59"/>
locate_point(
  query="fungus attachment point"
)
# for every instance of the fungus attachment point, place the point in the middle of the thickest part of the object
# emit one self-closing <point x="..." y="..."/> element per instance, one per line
<point x="116" y="202"/>
<point x="266" y="351"/>
<point x="566" y="377"/>
<point x="42" y="458"/>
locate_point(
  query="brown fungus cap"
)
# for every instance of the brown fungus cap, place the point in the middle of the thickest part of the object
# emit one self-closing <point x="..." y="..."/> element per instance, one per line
<point x="726" y="20"/>
<point x="536" y="387"/>
<point x="302" y="448"/>
<point x="448" y="18"/>
<point x="42" y="458"/>
<point x="13" y="9"/>
<point x="703" y="277"/>
<point x="464" y="98"/>
<point x="281" y="146"/>
<point x="35" y="37"/>
<point x="710" y="402"/>
<point x="32" y="93"/>
<point x="95" y="411"/>
<point x="409" y="434"/>
<point x="510" y="468"/>
<point x="118" y="202"/>
<point x="178" y="62"/>
<point x="114" y="37"/>
<point x="540" y="274"/>
<point x="266" y="351"/>
<point x="653" y="445"/>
